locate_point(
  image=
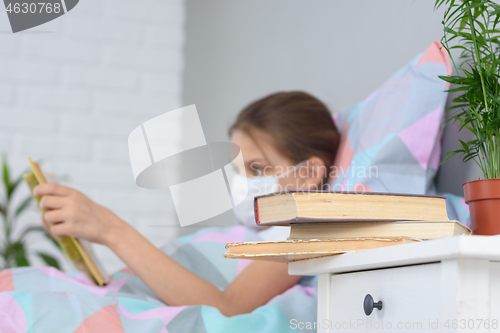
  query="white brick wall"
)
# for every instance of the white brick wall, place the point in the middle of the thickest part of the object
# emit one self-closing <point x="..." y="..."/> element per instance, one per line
<point x="71" y="91"/>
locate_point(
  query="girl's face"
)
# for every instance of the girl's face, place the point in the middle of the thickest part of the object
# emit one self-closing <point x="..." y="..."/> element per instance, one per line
<point x="262" y="158"/>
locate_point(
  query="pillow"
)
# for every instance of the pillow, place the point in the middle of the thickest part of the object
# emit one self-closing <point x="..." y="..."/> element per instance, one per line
<point x="391" y="141"/>
<point x="457" y="208"/>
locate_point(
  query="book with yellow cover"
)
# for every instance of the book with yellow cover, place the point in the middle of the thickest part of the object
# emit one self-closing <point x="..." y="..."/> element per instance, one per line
<point x="299" y="206"/>
<point x="301" y="249"/>
<point x="78" y="251"/>
<point x="417" y="229"/>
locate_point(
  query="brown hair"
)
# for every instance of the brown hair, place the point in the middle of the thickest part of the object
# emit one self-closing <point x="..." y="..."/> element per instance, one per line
<point x="299" y="123"/>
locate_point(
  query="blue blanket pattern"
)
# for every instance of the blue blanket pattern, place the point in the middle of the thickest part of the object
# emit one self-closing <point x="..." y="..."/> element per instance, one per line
<point x="43" y="299"/>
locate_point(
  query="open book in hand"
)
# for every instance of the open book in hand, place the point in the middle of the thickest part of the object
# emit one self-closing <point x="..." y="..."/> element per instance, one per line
<point x="78" y="251"/>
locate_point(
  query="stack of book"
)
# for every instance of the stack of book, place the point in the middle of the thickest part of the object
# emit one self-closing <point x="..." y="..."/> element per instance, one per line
<point x="328" y="223"/>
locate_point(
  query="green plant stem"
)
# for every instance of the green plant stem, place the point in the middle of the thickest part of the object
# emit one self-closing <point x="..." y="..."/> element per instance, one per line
<point x="7" y="234"/>
<point x="477" y="63"/>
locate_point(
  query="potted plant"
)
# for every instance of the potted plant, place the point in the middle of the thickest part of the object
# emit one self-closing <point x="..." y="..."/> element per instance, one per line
<point x="13" y="251"/>
<point x="472" y="27"/>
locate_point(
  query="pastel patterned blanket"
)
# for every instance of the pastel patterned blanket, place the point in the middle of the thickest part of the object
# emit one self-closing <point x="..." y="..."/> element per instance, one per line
<point x="43" y="299"/>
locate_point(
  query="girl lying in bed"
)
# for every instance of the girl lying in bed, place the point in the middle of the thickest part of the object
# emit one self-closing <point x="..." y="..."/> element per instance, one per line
<point x="283" y="131"/>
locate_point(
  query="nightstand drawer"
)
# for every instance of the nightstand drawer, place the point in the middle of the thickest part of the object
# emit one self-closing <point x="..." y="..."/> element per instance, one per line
<point x="410" y="296"/>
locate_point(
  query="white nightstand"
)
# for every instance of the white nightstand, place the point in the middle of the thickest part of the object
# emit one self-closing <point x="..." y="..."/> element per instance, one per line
<point x="444" y="285"/>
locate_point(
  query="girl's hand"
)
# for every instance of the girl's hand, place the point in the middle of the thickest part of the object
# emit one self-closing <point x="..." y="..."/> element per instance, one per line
<point x="72" y="213"/>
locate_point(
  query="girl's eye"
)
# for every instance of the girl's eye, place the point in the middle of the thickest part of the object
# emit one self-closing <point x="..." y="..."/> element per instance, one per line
<point x="256" y="169"/>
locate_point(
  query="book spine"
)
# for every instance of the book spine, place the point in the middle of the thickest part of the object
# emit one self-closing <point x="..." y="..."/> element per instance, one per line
<point x="256" y="210"/>
<point x="89" y="261"/>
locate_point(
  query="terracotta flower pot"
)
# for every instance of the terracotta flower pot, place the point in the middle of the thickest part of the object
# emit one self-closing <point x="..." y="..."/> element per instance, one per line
<point x="483" y="198"/>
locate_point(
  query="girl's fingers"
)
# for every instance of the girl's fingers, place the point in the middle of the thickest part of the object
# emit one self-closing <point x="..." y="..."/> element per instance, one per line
<point x="45" y="226"/>
<point x="52" y="189"/>
<point x="61" y="222"/>
<point x="51" y="202"/>
<point x="61" y="229"/>
<point x="55" y="216"/>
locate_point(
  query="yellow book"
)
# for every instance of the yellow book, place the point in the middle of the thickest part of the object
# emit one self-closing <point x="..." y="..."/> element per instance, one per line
<point x="78" y="251"/>
<point x="302" y="249"/>
<point x="299" y="206"/>
<point x="417" y="229"/>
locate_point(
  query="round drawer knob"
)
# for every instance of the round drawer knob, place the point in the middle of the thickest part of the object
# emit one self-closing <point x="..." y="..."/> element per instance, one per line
<point x="369" y="304"/>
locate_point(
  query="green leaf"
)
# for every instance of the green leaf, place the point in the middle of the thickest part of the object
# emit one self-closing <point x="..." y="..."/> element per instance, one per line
<point x="49" y="260"/>
<point x="450" y="154"/>
<point x="21" y="261"/>
<point x="19" y="254"/>
<point x="464" y="145"/>
<point x="469" y="157"/>
<point x="6" y="175"/>
<point x="478" y="4"/>
<point x="438" y="4"/>
<point x="23" y="205"/>
<point x="15" y="184"/>
<point x="458" y="89"/>
<point x="497" y="18"/>
<point x="463" y="23"/>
